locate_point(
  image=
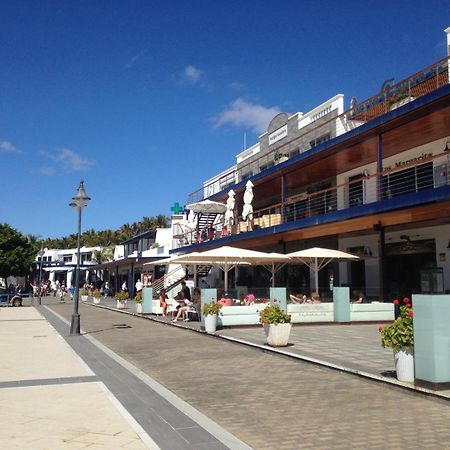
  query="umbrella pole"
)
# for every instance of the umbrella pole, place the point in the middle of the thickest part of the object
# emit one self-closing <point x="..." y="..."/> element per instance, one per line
<point x="273" y="274"/>
<point x="225" y="279"/>
<point x="316" y="271"/>
<point x="195" y="275"/>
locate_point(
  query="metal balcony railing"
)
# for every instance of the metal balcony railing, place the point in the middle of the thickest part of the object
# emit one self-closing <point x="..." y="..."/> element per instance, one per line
<point x="411" y="178"/>
<point x="407" y="90"/>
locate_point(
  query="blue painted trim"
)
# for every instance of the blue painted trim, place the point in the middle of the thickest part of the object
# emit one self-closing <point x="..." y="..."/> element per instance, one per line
<point x="368" y="126"/>
<point x="401" y="202"/>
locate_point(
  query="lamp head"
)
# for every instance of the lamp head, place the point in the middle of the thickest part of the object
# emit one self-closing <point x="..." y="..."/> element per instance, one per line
<point x="81" y="198"/>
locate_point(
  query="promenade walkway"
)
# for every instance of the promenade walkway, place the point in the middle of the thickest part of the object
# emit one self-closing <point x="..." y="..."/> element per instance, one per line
<point x="264" y="400"/>
<point x="257" y="397"/>
<point x="49" y="398"/>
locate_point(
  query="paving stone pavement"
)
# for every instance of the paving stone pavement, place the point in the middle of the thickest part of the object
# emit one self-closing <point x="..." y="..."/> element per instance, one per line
<point x="268" y="401"/>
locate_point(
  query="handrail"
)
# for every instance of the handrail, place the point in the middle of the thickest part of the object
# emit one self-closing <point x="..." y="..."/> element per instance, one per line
<point x="363" y="190"/>
<point x="160" y="283"/>
<point x="379" y="103"/>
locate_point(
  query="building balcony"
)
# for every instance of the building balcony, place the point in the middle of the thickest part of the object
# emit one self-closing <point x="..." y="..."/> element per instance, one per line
<point x="408" y="185"/>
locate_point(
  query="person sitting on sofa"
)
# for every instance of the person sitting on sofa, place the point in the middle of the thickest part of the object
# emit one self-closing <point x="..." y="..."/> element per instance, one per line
<point x="359" y="297"/>
<point x="190" y="306"/>
<point x="315" y="298"/>
<point x="298" y="298"/>
<point x="226" y="300"/>
<point x="163" y="301"/>
<point x="249" y="300"/>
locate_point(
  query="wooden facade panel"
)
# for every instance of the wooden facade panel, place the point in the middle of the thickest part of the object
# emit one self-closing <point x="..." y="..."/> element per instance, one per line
<point x="361" y="225"/>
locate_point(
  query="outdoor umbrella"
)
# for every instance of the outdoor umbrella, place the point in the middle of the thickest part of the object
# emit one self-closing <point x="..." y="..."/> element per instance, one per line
<point x="227" y="258"/>
<point x="317" y="258"/>
<point x="275" y="263"/>
<point x="207" y="207"/>
<point x="229" y="214"/>
<point x="247" y="211"/>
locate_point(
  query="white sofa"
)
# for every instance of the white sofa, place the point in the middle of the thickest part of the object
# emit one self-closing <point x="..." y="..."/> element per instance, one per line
<point x="307" y="312"/>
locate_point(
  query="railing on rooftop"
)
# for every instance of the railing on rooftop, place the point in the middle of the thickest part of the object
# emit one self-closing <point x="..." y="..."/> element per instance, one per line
<point x="430" y="173"/>
<point x="409" y="89"/>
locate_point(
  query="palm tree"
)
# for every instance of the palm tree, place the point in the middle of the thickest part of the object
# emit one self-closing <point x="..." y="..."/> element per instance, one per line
<point x="102" y="255"/>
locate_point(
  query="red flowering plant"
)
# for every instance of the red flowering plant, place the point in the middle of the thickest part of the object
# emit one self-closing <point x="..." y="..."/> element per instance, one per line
<point x="399" y="334"/>
<point x="272" y="313"/>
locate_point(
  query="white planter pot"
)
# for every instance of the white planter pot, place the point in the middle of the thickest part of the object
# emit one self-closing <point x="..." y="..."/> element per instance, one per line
<point x="401" y="103"/>
<point x="84" y="298"/>
<point x="281" y="160"/>
<point x="277" y="335"/>
<point x="404" y="365"/>
<point x="97" y="300"/>
<point x="139" y="308"/>
<point x="121" y="304"/>
<point x="211" y="323"/>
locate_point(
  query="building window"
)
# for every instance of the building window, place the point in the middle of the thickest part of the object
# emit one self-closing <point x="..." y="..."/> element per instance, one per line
<point x="85" y="257"/>
<point x="266" y="166"/>
<point x="355" y="191"/>
<point x="67" y="259"/>
<point x="246" y="175"/>
<point x="320" y="140"/>
<point x="226" y="181"/>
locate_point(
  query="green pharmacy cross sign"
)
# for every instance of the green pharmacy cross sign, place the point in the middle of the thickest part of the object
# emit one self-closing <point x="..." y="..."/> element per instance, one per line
<point x="176" y="208"/>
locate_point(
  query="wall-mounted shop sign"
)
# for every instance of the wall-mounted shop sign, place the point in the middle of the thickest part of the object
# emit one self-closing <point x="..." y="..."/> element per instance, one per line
<point x="416" y="159"/>
<point x="278" y="135"/>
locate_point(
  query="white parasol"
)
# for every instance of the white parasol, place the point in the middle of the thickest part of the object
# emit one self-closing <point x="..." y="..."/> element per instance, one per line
<point x="227" y="258"/>
<point x="317" y="258"/>
<point x="229" y="214"/>
<point x="207" y="207"/>
<point x="247" y="211"/>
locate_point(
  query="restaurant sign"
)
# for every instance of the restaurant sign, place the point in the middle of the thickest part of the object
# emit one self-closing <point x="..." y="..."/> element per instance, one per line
<point x="278" y="135"/>
<point x="416" y="159"/>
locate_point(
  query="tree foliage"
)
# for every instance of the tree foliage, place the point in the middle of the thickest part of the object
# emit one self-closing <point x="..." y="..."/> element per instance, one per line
<point x="17" y="252"/>
<point x="108" y="238"/>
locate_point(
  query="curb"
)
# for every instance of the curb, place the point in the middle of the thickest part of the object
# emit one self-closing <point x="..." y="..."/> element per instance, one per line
<point x="378" y="378"/>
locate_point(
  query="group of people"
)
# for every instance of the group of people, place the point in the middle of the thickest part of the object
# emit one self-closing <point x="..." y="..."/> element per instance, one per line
<point x="358" y="297"/>
<point x="186" y="304"/>
<point x="303" y="298"/>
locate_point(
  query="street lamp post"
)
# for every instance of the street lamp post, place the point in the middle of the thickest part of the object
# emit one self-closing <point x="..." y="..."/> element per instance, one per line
<point x="79" y="202"/>
<point x="40" y="254"/>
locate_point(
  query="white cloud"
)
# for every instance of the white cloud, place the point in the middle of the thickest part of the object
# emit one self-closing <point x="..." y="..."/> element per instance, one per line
<point x="7" y="147"/>
<point x="69" y="160"/>
<point x="241" y="112"/>
<point x="73" y="161"/>
<point x="47" y="171"/>
<point x="191" y="75"/>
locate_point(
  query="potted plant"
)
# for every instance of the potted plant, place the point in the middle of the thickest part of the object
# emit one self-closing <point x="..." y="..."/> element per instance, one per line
<point x="277" y="324"/>
<point x="399" y="335"/>
<point x="399" y="100"/>
<point x="122" y="298"/>
<point x="280" y="157"/>
<point x="138" y="301"/>
<point x="84" y="295"/>
<point x="97" y="296"/>
<point x="211" y="311"/>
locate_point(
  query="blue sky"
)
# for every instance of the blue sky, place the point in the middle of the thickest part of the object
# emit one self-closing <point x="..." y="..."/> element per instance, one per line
<point x="144" y="100"/>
